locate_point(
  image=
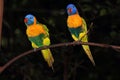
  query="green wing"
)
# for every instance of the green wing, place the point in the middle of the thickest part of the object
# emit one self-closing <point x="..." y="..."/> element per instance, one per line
<point x="46" y="29"/>
<point x="84" y="38"/>
<point x="83" y="35"/>
<point x="84" y="25"/>
<point x="46" y="40"/>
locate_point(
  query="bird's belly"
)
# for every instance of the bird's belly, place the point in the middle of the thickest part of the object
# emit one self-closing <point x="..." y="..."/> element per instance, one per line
<point x="38" y="40"/>
<point x="76" y="31"/>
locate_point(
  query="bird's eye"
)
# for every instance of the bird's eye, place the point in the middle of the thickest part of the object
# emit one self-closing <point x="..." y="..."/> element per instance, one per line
<point x="31" y="17"/>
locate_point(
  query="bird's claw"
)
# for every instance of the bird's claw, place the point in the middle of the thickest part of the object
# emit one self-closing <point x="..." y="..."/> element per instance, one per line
<point x="34" y="49"/>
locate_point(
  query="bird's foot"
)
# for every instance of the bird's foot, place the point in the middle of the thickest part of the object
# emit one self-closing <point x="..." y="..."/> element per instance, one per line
<point x="35" y="49"/>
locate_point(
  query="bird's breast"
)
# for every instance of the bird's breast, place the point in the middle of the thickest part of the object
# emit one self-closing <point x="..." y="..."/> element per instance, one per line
<point x="74" y="21"/>
<point x="35" y="30"/>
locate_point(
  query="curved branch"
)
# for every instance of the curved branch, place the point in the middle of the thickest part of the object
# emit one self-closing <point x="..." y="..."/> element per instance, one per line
<point x="2" y="68"/>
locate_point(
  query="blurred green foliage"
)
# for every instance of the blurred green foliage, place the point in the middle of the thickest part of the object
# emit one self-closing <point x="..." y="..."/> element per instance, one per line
<point x="105" y="15"/>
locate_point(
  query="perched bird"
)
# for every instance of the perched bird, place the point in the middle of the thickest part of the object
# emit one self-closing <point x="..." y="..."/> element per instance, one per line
<point x="38" y="35"/>
<point x="78" y="28"/>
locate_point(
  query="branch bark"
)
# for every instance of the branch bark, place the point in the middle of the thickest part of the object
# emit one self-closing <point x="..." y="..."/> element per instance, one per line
<point x="2" y="68"/>
<point x="1" y="16"/>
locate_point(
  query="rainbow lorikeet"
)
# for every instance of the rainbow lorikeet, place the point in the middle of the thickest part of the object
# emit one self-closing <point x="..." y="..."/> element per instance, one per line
<point x="78" y="28"/>
<point x="38" y="36"/>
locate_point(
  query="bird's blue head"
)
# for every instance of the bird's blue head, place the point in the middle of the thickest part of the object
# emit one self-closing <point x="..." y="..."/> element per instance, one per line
<point x="29" y="19"/>
<point x="71" y="9"/>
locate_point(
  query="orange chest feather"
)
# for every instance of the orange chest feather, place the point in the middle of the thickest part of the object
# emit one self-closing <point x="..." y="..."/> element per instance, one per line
<point x="35" y="30"/>
<point x="74" y="21"/>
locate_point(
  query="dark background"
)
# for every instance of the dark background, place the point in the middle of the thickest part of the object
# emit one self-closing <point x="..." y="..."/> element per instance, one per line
<point x="71" y="63"/>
